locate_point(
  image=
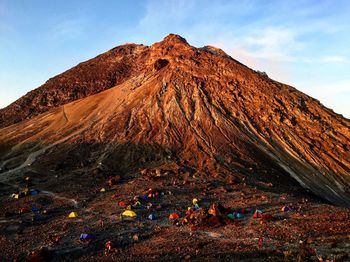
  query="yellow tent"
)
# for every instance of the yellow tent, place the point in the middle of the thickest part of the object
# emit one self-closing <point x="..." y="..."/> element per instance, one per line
<point x="73" y="214"/>
<point x="103" y="189"/>
<point x="129" y="213"/>
<point x="194" y="201"/>
<point x="16" y="196"/>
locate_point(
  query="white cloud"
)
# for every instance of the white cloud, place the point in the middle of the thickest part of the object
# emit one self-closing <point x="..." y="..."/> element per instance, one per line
<point x="267" y="49"/>
<point x="160" y="13"/>
<point x="69" y="28"/>
<point x="270" y="44"/>
<point x="333" y="59"/>
<point x="271" y="37"/>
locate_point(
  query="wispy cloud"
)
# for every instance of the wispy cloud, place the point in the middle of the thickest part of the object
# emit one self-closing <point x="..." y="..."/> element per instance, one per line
<point x="159" y="14"/>
<point x="334" y="59"/>
<point x="273" y="43"/>
<point x="69" y="28"/>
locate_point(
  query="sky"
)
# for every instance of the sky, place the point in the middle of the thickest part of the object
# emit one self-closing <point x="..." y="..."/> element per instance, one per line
<point x="305" y="44"/>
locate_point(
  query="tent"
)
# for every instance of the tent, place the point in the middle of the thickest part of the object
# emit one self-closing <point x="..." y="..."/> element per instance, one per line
<point x="213" y="210"/>
<point x="102" y="190"/>
<point x="152" y="217"/>
<point x="267" y="217"/>
<point x="194" y="201"/>
<point x="137" y="204"/>
<point x="173" y="216"/>
<point x="286" y="209"/>
<point x="73" y="215"/>
<point x="257" y="214"/>
<point x="85" y="236"/>
<point x="24" y="210"/>
<point x="231" y="216"/>
<point x="33" y="192"/>
<point x="129" y="213"/>
<point x="235" y="215"/>
<point x="196" y="207"/>
<point x="35" y="210"/>
<point x="13" y="195"/>
<point x="239" y="215"/>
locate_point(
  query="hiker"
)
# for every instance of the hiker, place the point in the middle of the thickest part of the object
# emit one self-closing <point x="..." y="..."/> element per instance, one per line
<point x="305" y="252"/>
<point x="25" y="191"/>
<point x="41" y="254"/>
<point x="136" y="202"/>
<point x="54" y="239"/>
<point x="213" y="210"/>
<point x="302" y="250"/>
<point x="108" y="248"/>
<point x="260" y="242"/>
<point x="28" y="181"/>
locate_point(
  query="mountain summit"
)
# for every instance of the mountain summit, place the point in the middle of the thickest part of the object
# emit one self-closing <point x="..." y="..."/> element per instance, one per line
<point x="139" y="106"/>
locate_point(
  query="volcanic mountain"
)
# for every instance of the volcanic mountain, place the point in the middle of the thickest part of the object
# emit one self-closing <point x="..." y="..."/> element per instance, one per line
<point x="139" y="106"/>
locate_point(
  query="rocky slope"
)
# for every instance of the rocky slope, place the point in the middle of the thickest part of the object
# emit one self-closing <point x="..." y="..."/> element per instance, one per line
<point x="171" y="102"/>
<point x="87" y="78"/>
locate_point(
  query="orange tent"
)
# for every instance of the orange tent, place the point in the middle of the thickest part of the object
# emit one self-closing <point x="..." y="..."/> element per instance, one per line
<point x="173" y="216"/>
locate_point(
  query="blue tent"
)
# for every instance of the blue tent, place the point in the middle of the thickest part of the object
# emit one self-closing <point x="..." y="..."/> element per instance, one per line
<point x="152" y="217"/>
<point x="33" y="192"/>
<point x="239" y="215"/>
<point x="286" y="209"/>
<point x="35" y="210"/>
<point x="85" y="236"/>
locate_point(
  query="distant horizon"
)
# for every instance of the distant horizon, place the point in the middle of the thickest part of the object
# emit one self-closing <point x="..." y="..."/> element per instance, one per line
<point x="304" y="44"/>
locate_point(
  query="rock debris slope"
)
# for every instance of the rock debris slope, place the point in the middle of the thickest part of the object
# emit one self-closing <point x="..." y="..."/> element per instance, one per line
<point x="173" y="102"/>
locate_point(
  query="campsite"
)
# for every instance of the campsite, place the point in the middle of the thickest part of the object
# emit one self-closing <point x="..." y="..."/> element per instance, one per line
<point x="244" y="223"/>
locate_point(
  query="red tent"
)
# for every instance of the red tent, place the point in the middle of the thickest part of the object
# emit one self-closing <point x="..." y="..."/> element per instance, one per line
<point x="257" y="214"/>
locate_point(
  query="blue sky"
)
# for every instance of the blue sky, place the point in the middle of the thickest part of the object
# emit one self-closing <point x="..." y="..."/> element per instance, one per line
<point x="302" y="43"/>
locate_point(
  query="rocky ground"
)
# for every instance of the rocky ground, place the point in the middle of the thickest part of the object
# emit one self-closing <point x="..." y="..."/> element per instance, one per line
<point x="323" y="228"/>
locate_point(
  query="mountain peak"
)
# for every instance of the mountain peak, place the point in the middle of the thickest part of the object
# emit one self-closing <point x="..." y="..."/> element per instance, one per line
<point x="174" y="38"/>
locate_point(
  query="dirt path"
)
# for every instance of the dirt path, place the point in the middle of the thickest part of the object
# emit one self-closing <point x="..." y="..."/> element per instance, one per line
<point x="56" y="196"/>
<point x="65" y="114"/>
<point x="34" y="155"/>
